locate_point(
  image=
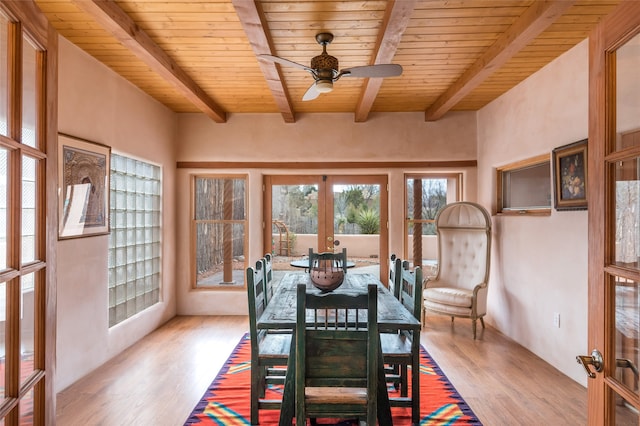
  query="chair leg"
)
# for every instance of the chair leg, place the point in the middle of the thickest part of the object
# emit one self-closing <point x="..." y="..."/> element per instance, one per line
<point x="255" y="393"/>
<point x="473" y="326"/>
<point x="262" y="382"/>
<point x="482" y="321"/>
<point x="403" y="381"/>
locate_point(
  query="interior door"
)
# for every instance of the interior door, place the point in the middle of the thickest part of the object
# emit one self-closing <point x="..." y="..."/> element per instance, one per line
<point x="614" y="220"/>
<point x="327" y="212"/>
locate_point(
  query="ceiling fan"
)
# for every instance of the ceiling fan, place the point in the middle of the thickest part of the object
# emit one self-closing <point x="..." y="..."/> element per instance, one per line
<point x="325" y="72"/>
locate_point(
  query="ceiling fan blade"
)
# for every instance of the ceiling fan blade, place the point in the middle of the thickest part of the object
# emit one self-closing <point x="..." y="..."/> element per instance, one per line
<point x="285" y="62"/>
<point x="311" y="93"/>
<point x="373" y="71"/>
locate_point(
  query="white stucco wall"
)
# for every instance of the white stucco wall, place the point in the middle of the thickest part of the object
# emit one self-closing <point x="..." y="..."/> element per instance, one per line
<point x="314" y="137"/>
<point x="97" y="105"/>
<point x="539" y="263"/>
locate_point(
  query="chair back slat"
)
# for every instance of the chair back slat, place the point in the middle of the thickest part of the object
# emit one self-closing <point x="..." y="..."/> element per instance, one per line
<point x="265" y="266"/>
<point x="395" y="275"/>
<point x="268" y="276"/>
<point x="256" y="300"/>
<point x="411" y="289"/>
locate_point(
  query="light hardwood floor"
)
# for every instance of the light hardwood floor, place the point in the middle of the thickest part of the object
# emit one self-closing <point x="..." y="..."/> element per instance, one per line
<point x="159" y="380"/>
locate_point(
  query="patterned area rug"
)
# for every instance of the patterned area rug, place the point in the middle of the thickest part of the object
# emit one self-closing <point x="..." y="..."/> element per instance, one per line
<point x="226" y="402"/>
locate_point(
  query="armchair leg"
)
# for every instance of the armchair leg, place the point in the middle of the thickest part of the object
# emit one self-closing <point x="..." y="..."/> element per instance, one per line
<point x="473" y="326"/>
<point x="482" y="321"/>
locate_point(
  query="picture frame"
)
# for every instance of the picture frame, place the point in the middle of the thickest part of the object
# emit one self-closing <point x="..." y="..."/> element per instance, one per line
<point x="570" y="176"/>
<point x="83" y="187"/>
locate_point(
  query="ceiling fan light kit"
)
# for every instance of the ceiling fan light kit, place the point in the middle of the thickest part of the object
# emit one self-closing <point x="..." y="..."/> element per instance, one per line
<point x="325" y="71"/>
<point x="324" y="86"/>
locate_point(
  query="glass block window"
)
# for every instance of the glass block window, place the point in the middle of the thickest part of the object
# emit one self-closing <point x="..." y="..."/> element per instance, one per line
<point x="134" y="241"/>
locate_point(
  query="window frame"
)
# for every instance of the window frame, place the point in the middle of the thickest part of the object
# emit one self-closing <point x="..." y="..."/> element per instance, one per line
<point x="27" y="391"/>
<point x="454" y="180"/>
<point x="194" y="237"/>
<point x="538" y="160"/>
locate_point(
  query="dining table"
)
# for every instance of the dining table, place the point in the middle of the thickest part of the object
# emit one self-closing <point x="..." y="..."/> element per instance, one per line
<point x="280" y="314"/>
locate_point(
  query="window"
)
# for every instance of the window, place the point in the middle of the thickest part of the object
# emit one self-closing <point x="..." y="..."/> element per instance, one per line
<point x="525" y="187"/>
<point x="425" y="195"/>
<point x="134" y="241"/>
<point x="219" y="231"/>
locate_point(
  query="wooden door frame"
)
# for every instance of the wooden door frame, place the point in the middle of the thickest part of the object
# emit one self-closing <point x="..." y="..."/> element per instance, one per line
<point x="322" y="181"/>
<point x="41" y="33"/>
<point x="611" y="33"/>
<point x="268" y="182"/>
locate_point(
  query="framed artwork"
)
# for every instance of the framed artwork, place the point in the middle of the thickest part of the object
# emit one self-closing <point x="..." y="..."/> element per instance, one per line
<point x="570" y="176"/>
<point x="83" y="187"/>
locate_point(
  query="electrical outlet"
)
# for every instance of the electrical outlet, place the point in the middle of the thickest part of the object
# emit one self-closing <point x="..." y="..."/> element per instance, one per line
<point x="556" y="319"/>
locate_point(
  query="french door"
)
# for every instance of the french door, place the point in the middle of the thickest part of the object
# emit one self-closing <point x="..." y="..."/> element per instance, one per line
<point x="327" y="213"/>
<point x="614" y="220"/>
<point x="27" y="215"/>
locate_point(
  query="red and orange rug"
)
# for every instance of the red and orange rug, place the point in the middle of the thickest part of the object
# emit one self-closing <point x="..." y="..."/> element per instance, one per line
<point x="226" y="401"/>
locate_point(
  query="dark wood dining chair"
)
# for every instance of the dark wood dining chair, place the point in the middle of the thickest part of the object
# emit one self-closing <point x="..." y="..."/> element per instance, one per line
<point x="392" y="372"/>
<point x="328" y="260"/>
<point x="269" y="351"/>
<point x="397" y="346"/>
<point x="337" y="355"/>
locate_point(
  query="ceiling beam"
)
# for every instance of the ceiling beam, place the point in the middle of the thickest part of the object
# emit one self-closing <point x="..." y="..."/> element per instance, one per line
<point x="255" y="26"/>
<point x="396" y="19"/>
<point x="526" y="28"/>
<point x="116" y="21"/>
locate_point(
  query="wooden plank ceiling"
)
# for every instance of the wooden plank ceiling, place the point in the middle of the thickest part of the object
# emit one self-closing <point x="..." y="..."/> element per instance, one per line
<point x="203" y="55"/>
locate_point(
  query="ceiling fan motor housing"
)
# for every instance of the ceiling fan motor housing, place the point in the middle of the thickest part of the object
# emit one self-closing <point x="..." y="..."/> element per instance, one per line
<point x="325" y="62"/>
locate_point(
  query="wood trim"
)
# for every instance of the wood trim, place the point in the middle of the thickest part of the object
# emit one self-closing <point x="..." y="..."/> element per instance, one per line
<point x="295" y="165"/>
<point x="124" y="29"/>
<point x="528" y="162"/>
<point x="620" y="25"/>
<point x="193" y="229"/>
<point x="50" y="146"/>
<point x="29" y="15"/>
<point x="394" y="24"/>
<point x="325" y="226"/>
<point x="611" y="33"/>
<point x="268" y="181"/>
<point x="27" y="22"/>
<point x="14" y="81"/>
<point x="537" y="18"/>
